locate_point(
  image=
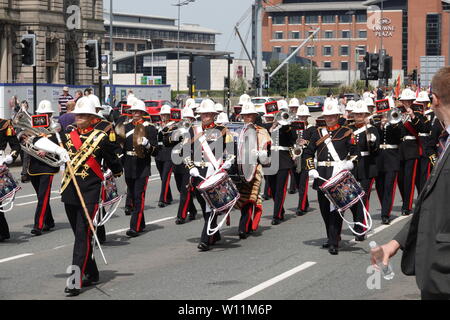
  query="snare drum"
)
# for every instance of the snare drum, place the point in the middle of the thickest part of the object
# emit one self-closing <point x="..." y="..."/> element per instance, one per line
<point x="343" y="190"/>
<point x="110" y="192"/>
<point x="219" y="191"/>
<point x="8" y="188"/>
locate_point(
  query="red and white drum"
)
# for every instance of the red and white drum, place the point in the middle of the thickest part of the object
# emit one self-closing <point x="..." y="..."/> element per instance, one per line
<point x="219" y="191"/>
<point x="8" y="189"/>
<point x="343" y="190"/>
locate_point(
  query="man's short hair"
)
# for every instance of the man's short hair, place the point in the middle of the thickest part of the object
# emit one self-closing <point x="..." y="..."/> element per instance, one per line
<point x="70" y="105"/>
<point x="441" y="85"/>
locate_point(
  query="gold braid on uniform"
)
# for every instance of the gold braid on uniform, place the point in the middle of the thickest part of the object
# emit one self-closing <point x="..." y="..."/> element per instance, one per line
<point x="310" y="164"/>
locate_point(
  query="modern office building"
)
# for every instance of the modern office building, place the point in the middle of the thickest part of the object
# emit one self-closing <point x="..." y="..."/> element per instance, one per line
<point x="406" y="29"/>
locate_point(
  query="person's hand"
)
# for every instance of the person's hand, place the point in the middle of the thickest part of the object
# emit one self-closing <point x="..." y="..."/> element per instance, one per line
<point x="302" y="142"/>
<point x="372" y="137"/>
<point x="194" y="172"/>
<point x="144" y="142"/>
<point x="410" y="112"/>
<point x="41" y="154"/>
<point x="313" y="173"/>
<point x="227" y="164"/>
<point x="8" y="159"/>
<point x="389" y="250"/>
<point x="63" y="154"/>
<point x="348" y="165"/>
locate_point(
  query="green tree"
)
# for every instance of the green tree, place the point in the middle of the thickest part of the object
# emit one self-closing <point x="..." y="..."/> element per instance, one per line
<point x="299" y="77"/>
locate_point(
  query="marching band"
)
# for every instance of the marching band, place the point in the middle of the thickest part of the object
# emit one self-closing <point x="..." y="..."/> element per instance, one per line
<point x="222" y="163"/>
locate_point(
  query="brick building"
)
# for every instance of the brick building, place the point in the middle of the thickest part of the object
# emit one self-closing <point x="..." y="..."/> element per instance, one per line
<point x="60" y="50"/>
<point x="407" y="29"/>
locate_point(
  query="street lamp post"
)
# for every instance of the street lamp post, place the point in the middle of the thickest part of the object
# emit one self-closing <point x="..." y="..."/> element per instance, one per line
<point x="179" y="5"/>
<point x="150" y="40"/>
<point x="350" y="13"/>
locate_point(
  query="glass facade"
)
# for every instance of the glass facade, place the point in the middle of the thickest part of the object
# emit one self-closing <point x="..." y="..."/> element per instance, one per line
<point x="433" y="35"/>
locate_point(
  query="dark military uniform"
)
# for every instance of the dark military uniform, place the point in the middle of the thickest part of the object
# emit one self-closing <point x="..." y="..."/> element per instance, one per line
<point x="267" y="193"/>
<point x="388" y="165"/>
<point x="410" y="152"/>
<point x="344" y="144"/>
<point x="7" y="136"/>
<point x="137" y="171"/>
<point x="182" y="177"/>
<point x="365" y="169"/>
<point x="283" y="137"/>
<point x="165" y="167"/>
<point x="41" y="176"/>
<point x="94" y="146"/>
<point x="214" y="134"/>
<point x="303" y="178"/>
<point x="431" y="148"/>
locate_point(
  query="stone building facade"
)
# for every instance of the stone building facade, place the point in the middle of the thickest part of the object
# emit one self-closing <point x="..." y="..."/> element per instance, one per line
<point x="62" y="27"/>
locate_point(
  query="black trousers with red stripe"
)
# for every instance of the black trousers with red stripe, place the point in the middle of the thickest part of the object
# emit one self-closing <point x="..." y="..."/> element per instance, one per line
<point x="245" y="223"/>
<point x="4" y="229"/>
<point x="267" y="191"/>
<point x="386" y="185"/>
<point x="43" y="186"/>
<point x="82" y="249"/>
<point x="278" y="184"/>
<point x="136" y="190"/>
<point x="423" y="173"/>
<point x="358" y="208"/>
<point x="165" y="171"/>
<point x="186" y="195"/>
<point x="332" y="220"/>
<point x="303" y="186"/>
<point x="294" y="179"/>
<point x="406" y="181"/>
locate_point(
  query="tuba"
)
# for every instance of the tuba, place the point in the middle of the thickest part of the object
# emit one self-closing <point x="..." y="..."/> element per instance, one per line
<point x="22" y="121"/>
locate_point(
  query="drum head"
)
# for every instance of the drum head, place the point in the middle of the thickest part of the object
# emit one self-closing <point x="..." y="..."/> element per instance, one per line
<point x="212" y="180"/>
<point x="246" y="159"/>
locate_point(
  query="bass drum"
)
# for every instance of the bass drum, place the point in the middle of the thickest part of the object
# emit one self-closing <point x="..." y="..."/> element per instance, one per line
<point x="245" y="144"/>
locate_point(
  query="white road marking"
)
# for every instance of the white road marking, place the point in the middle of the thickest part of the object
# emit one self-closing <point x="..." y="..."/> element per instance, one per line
<point x="31" y="202"/>
<point x="59" y="247"/>
<point x="148" y="223"/>
<point x="382" y="227"/>
<point x="33" y="195"/>
<point x="16" y="257"/>
<point x="272" y="281"/>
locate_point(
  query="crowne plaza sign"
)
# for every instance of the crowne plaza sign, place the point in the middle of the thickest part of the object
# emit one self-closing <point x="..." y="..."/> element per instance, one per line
<point x="383" y="28"/>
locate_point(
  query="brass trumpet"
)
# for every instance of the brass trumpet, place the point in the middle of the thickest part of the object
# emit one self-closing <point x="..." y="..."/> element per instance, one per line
<point x="284" y="118"/>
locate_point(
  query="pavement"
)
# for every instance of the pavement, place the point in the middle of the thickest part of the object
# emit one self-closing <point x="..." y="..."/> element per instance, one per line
<point x="282" y="262"/>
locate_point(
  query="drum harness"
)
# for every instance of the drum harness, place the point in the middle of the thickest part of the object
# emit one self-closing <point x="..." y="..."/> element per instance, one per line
<point x="336" y="166"/>
<point x="217" y="166"/>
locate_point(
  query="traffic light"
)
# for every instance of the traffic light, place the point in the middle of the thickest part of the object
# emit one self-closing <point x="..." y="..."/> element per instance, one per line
<point x="414" y="75"/>
<point x="266" y="84"/>
<point x="29" y="50"/>
<point x="92" y="54"/>
<point x="387" y="67"/>
<point x="257" y="82"/>
<point x="374" y="63"/>
<point x="226" y="82"/>
<point x="194" y="80"/>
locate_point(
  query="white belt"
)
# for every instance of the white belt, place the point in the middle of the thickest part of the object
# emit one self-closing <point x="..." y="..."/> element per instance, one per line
<point x="160" y="144"/>
<point x="409" y="138"/>
<point x="424" y="134"/>
<point x="279" y="148"/>
<point x="131" y="153"/>
<point x="365" y="153"/>
<point x="327" y="163"/>
<point x="202" y="164"/>
<point x="388" y="146"/>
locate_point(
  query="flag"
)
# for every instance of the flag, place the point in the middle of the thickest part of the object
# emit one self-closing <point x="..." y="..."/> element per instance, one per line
<point x="397" y="88"/>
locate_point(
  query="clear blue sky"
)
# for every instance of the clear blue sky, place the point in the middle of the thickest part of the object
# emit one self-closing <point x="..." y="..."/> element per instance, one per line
<point x="220" y="15"/>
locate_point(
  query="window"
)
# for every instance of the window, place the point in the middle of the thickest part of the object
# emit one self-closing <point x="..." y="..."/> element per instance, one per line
<point x="310" y="51"/>
<point x="328" y="34"/>
<point x="292" y="49"/>
<point x="295" y="35"/>
<point x="295" y="19"/>
<point x="141" y="47"/>
<point x="345" y="18"/>
<point x="361" y="18"/>
<point x="118" y="46"/>
<point x="277" y="49"/>
<point x="362" y="34"/>
<point x="309" y="33"/>
<point x="327" y="64"/>
<point x="433" y="40"/>
<point x="345" y="34"/>
<point x="130" y="46"/>
<point x="278" y="19"/>
<point x="311" y="19"/>
<point x="344" y="50"/>
<point x="107" y="46"/>
<point x="344" y="65"/>
<point x="51" y="50"/>
<point x="278" y="35"/>
<point x="329" y="18"/>
<point x="327" y="51"/>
